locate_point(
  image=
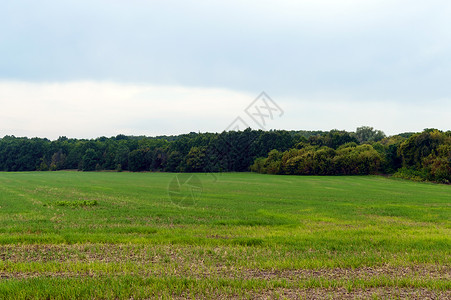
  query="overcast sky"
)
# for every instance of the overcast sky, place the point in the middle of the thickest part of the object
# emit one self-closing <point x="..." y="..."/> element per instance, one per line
<point x="99" y="68"/>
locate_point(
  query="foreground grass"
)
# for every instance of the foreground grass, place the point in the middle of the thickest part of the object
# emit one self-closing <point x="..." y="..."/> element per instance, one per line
<point x="135" y="287"/>
<point x="246" y="235"/>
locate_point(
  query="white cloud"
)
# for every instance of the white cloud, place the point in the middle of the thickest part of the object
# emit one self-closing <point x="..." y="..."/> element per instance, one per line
<point x="91" y="109"/>
<point x="347" y="114"/>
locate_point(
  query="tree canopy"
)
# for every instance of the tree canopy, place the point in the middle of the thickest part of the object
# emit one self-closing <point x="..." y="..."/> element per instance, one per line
<point x="418" y="156"/>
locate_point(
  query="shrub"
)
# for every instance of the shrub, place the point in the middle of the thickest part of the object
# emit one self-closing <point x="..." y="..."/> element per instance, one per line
<point x="259" y="165"/>
<point x="74" y="204"/>
<point x="411" y="174"/>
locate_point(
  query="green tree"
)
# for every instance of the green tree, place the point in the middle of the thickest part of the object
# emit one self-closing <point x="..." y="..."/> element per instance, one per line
<point x="159" y="158"/>
<point x="174" y="162"/>
<point x="89" y="160"/>
<point x="419" y="146"/>
<point x="195" y="160"/>
<point x="122" y="152"/>
<point x="140" y="160"/>
<point x="58" y="161"/>
<point x="366" y="134"/>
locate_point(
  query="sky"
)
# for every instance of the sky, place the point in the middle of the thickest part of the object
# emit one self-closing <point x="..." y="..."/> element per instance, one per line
<point x="94" y="68"/>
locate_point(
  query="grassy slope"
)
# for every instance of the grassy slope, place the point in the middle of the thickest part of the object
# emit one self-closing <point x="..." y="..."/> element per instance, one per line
<point x="241" y="231"/>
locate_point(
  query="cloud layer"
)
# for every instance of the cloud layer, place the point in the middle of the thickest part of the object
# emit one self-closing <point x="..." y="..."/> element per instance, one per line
<point x="351" y="54"/>
<point x="91" y="109"/>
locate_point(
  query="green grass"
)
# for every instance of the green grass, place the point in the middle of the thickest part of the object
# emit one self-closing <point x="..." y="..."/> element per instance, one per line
<point x="58" y="228"/>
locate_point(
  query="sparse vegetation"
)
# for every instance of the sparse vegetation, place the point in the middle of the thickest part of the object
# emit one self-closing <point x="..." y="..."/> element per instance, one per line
<point x="84" y="203"/>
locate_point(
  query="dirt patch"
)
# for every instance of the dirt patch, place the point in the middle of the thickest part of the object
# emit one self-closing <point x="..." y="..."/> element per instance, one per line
<point x="341" y="293"/>
<point x="195" y="263"/>
<point x="425" y="271"/>
<point x="321" y="294"/>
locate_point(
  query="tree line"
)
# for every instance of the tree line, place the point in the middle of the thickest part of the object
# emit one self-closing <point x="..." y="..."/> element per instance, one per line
<point x="193" y="152"/>
<point x="418" y="156"/>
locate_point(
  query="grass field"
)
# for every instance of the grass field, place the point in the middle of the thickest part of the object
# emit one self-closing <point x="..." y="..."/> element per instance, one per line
<point x="120" y="235"/>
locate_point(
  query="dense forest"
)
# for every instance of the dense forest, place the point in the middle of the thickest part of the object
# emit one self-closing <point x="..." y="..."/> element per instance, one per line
<point x="417" y="156"/>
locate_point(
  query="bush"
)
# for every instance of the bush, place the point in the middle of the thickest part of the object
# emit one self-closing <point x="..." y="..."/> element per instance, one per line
<point x="411" y="174"/>
<point x="312" y="160"/>
<point x="74" y="204"/>
<point x="259" y="165"/>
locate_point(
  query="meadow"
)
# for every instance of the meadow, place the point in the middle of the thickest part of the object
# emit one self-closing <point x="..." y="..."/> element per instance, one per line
<point x="234" y="235"/>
